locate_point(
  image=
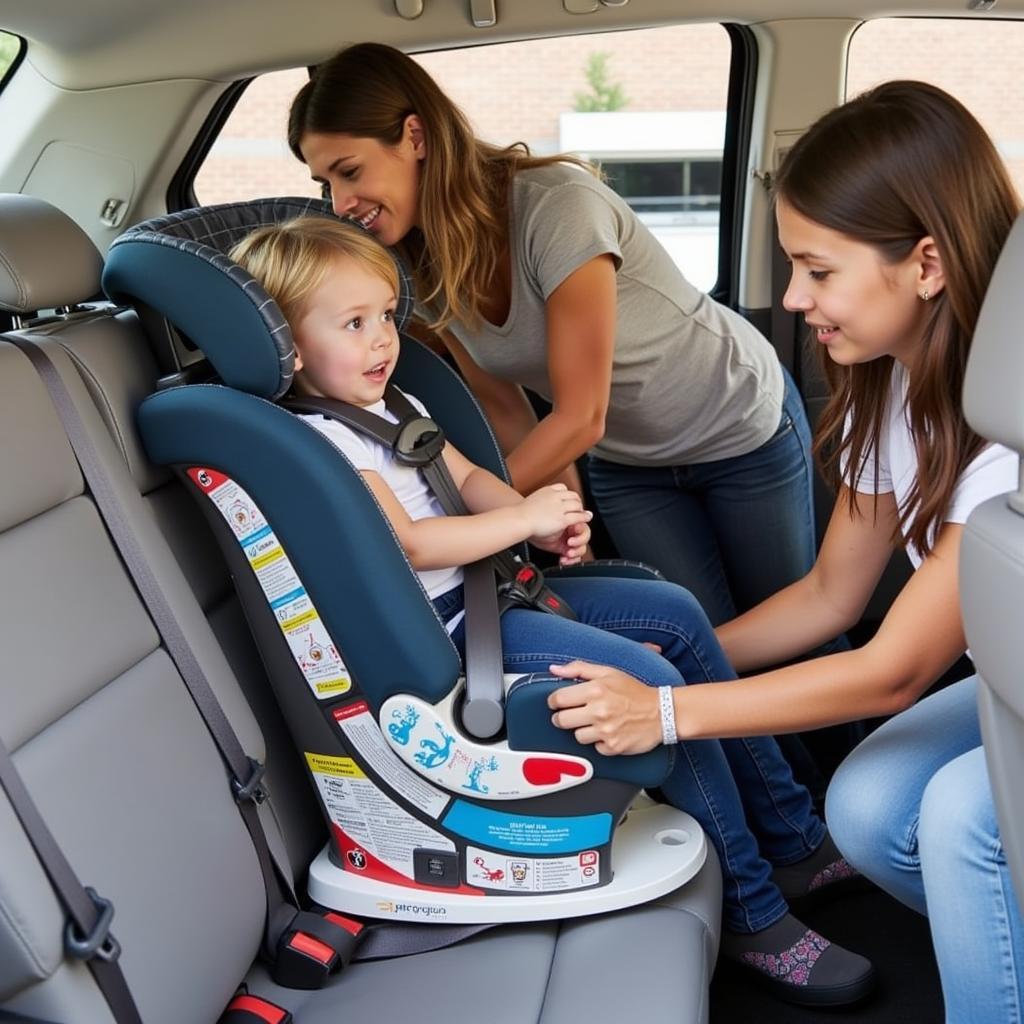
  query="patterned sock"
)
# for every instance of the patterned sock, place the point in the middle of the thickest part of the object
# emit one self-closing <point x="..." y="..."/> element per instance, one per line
<point x="824" y="867"/>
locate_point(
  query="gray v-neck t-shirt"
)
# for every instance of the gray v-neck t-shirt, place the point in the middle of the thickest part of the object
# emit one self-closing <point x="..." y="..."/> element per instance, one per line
<point x="692" y="381"/>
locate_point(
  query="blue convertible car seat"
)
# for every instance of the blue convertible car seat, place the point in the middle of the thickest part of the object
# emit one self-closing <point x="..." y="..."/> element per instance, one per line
<point x="426" y="821"/>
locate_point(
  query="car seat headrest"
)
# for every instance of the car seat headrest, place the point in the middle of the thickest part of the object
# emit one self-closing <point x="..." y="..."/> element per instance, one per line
<point x="178" y="266"/>
<point x="46" y="260"/>
<point x="995" y="368"/>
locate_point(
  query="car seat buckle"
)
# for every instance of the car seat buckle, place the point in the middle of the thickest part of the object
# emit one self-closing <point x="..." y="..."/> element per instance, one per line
<point x="99" y="942"/>
<point x="313" y="947"/>
<point x="253" y="788"/>
<point x="419" y="441"/>
<point x="247" y="1009"/>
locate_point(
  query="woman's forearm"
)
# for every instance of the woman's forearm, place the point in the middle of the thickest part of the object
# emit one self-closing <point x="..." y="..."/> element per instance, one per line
<point x="786" y="625"/>
<point x="809" y="695"/>
<point x="550" y="449"/>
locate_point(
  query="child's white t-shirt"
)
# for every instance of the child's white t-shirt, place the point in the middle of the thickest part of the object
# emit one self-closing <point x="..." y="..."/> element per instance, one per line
<point x="992" y="471"/>
<point x="407" y="483"/>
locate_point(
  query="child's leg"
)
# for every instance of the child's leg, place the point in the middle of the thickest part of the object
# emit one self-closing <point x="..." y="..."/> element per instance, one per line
<point x="613" y="614"/>
<point x="778" y="810"/>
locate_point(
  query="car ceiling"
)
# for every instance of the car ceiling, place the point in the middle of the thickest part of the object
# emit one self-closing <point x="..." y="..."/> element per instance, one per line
<point x="100" y="43"/>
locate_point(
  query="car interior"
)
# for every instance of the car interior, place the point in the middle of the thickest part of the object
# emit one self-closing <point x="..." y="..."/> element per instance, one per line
<point x="171" y="771"/>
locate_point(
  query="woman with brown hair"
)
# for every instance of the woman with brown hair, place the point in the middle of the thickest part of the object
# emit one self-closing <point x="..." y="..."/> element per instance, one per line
<point x="536" y="274"/>
<point x="594" y="315"/>
<point x="893" y="209"/>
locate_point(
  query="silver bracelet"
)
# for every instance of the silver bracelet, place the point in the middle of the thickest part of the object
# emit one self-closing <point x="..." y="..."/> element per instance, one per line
<point x="668" y="715"/>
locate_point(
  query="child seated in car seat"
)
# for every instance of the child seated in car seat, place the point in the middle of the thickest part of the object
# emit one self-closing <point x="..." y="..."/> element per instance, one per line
<point x="338" y="289"/>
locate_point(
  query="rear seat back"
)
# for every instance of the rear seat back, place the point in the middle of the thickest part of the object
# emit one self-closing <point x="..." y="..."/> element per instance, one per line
<point x="101" y="729"/>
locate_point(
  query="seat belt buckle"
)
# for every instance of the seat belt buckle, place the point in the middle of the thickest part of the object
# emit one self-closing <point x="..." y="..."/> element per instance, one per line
<point x="314" y="947"/>
<point x="526" y="585"/>
<point x="246" y="1009"/>
<point x="253" y="788"/>
<point x="99" y="942"/>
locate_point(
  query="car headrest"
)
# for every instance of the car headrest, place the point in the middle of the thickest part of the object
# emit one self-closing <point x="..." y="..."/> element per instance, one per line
<point x="46" y="259"/>
<point x="178" y="266"/>
<point x="994" y="384"/>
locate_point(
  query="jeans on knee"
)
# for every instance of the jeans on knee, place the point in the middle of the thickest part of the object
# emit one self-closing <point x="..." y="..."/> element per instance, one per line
<point x="912" y="808"/>
<point x="741" y="791"/>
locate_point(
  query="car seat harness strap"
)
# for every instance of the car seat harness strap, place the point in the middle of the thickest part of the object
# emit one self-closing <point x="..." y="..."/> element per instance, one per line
<point x="418" y="441"/>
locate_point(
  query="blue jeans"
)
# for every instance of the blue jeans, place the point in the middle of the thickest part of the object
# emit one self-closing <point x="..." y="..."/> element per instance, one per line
<point x="741" y="791"/>
<point x="734" y="531"/>
<point x="912" y="808"/>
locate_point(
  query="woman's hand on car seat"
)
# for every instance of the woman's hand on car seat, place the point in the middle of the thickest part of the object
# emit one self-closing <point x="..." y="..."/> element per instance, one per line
<point x="608" y="708"/>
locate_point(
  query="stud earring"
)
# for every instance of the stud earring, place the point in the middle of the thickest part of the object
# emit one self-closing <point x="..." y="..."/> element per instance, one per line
<point x="926" y="295"/>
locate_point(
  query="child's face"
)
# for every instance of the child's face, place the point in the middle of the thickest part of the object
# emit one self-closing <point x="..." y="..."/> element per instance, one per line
<point x="345" y="337"/>
<point x="859" y="306"/>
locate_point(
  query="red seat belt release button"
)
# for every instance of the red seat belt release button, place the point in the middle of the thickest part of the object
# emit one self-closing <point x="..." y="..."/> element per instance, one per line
<point x="246" y="1009"/>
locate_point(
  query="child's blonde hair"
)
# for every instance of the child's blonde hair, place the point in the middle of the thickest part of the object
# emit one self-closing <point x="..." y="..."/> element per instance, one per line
<point x="290" y="259"/>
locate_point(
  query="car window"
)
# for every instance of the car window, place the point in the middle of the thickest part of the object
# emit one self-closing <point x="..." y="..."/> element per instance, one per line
<point x="10" y="48"/>
<point x="958" y="55"/>
<point x="648" y="106"/>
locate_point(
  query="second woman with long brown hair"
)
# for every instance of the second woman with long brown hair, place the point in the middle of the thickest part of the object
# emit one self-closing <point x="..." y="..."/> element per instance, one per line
<point x="892" y="209"/>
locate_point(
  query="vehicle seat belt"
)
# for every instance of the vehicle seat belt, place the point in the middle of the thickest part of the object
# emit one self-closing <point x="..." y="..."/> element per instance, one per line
<point x="285" y="919"/>
<point x="87" y="933"/>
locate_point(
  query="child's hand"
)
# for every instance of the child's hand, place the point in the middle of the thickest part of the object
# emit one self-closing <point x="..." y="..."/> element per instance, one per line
<point x="570" y="545"/>
<point x="552" y="511"/>
<point x="570" y="542"/>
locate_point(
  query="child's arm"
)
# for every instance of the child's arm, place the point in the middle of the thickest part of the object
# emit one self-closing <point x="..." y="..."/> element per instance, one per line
<point x="437" y="542"/>
<point x="482" y="491"/>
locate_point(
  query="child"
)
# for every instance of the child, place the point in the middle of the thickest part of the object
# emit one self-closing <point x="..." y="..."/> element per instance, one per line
<point x="892" y="209"/>
<point x="337" y="287"/>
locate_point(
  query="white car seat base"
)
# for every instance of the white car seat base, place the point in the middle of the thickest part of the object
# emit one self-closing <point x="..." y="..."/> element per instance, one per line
<point x="656" y="850"/>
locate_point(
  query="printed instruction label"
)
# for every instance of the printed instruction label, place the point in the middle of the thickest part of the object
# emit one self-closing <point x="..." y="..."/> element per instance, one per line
<point x="491" y="870"/>
<point x="308" y="639"/>
<point x="385" y="831"/>
<point x="362" y="732"/>
<point x="520" y="833"/>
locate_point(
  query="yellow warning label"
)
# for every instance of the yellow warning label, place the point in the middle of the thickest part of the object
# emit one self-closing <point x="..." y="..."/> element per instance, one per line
<point x="327" y="765"/>
<point x="299" y="620"/>
<point x="267" y="557"/>
<point x="342" y="685"/>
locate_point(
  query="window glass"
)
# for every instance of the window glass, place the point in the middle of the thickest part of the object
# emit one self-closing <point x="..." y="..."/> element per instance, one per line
<point x="648" y="106"/>
<point x="9" y="48"/>
<point x="974" y="60"/>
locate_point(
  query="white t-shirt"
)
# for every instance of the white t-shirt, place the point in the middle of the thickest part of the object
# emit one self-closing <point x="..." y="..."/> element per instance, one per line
<point x="992" y="471"/>
<point x="407" y="483"/>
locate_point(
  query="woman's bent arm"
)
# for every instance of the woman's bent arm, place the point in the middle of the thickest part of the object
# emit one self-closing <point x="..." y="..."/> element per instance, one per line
<point x="921" y="636"/>
<point x="829" y="599"/>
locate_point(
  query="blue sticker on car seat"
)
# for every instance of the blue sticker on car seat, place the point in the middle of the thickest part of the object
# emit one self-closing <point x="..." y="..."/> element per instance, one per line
<point x="520" y="833"/>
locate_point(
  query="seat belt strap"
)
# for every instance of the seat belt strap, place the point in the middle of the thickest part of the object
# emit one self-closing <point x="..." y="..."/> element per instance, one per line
<point x="283" y="912"/>
<point x="87" y="933"/>
<point x="246" y="773"/>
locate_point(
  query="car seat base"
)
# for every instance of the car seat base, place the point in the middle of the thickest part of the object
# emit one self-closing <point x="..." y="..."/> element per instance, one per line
<point x="656" y="849"/>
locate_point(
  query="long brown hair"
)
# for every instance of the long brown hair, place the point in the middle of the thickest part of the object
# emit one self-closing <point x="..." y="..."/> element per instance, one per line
<point x="367" y="91"/>
<point x="903" y="161"/>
